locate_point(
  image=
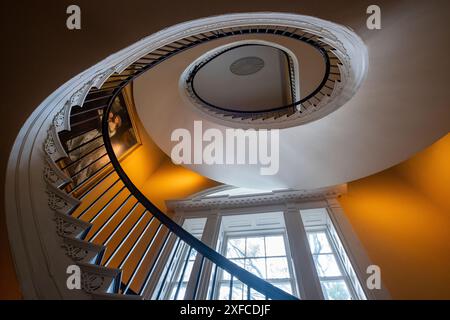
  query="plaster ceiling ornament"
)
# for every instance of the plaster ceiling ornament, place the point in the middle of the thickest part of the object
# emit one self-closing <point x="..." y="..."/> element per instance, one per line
<point x="246" y="66"/>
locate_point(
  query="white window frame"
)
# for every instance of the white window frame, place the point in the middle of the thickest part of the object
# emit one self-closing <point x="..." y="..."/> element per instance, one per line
<point x="339" y="260"/>
<point x="289" y="202"/>
<point x="258" y="233"/>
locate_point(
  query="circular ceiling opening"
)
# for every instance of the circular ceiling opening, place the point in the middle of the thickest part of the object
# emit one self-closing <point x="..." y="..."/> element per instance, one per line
<point x="273" y="77"/>
<point x="247" y="66"/>
<point x="246" y="78"/>
<point x="255" y="78"/>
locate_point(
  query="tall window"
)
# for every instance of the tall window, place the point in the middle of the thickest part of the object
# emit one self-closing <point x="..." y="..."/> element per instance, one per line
<point x="263" y="251"/>
<point x="337" y="277"/>
<point x="272" y="246"/>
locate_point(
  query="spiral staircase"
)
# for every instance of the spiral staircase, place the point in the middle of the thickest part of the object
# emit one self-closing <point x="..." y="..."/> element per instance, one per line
<point x="121" y="241"/>
<point x="61" y="212"/>
<point x="97" y="218"/>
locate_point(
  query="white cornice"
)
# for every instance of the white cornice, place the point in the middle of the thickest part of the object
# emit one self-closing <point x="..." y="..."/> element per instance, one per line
<point x="270" y="198"/>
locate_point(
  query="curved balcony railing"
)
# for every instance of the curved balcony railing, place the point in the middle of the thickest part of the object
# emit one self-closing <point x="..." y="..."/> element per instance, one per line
<point x="299" y="105"/>
<point x="245" y="114"/>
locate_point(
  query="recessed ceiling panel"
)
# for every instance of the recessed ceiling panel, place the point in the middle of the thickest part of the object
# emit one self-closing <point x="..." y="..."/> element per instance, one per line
<point x="245" y="78"/>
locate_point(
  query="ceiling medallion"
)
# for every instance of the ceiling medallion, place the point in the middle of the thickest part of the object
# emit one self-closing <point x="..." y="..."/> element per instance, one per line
<point x="246" y="66"/>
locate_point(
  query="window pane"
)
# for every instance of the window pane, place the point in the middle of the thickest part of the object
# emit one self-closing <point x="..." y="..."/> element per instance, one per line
<point x="286" y="286"/>
<point x="181" y="292"/>
<point x="255" y="247"/>
<point x="256" y="266"/>
<point x="263" y="256"/>
<point x="239" y="262"/>
<point x="275" y="246"/>
<point x="318" y="242"/>
<point x="236" y="248"/>
<point x="225" y="275"/>
<point x="327" y="266"/>
<point x="192" y="255"/>
<point x="224" y="291"/>
<point x="187" y="272"/>
<point x="255" y="295"/>
<point x="277" y="268"/>
<point x="336" y="290"/>
<point x="238" y="291"/>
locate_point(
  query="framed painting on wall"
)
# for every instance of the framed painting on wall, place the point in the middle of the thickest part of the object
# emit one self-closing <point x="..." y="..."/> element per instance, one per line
<point x="87" y="155"/>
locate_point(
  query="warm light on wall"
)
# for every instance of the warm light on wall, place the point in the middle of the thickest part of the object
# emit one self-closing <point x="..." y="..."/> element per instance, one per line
<point x="402" y="218"/>
<point x="429" y="171"/>
<point x="174" y="182"/>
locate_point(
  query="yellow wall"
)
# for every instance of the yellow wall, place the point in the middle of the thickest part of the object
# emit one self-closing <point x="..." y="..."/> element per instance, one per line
<point x="402" y="217"/>
<point x="144" y="160"/>
<point x="429" y="172"/>
<point x="174" y="182"/>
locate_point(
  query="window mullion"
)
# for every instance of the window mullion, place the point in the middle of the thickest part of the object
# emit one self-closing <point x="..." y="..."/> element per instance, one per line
<point x="209" y="237"/>
<point x="306" y="275"/>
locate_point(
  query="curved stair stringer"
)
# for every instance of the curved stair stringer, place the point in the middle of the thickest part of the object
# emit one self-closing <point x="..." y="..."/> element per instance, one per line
<point x="97" y="281"/>
<point x="72" y="231"/>
<point x="61" y="121"/>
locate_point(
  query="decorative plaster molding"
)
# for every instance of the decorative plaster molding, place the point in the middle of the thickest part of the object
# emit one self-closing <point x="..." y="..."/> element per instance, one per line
<point x="79" y="96"/>
<point x="83" y="251"/>
<point x="53" y="175"/>
<point x="91" y="282"/>
<point x="61" y="120"/>
<point x="60" y="201"/>
<point x="271" y="198"/>
<point x="69" y="227"/>
<point x="99" y="80"/>
<point x="99" y="279"/>
<point x="52" y="145"/>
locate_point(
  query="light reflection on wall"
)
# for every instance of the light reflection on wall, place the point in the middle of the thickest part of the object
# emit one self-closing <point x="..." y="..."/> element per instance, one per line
<point x="118" y="148"/>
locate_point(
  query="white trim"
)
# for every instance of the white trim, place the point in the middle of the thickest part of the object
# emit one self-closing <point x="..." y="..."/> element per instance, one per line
<point x="209" y="237"/>
<point x="308" y="281"/>
<point x="270" y="198"/>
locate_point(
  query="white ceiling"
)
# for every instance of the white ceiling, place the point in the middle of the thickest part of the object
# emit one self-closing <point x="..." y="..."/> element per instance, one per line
<point x="265" y="89"/>
<point x="401" y="108"/>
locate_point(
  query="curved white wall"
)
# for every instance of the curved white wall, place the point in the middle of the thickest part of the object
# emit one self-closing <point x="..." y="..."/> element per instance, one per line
<point x="401" y="108"/>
